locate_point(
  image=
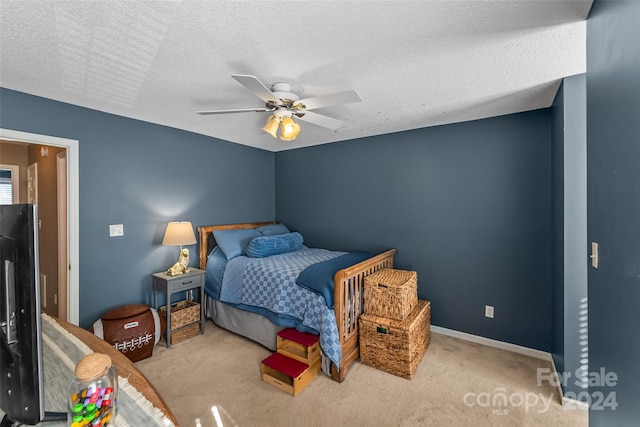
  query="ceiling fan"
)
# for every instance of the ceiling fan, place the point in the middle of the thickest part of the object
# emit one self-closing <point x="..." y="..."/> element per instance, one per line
<point x="284" y="104"/>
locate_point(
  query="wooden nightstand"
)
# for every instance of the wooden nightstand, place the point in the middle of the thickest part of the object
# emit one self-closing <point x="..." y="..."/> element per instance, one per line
<point x="162" y="282"/>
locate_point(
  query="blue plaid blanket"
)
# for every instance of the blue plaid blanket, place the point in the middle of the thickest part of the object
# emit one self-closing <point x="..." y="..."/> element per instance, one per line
<point x="270" y="283"/>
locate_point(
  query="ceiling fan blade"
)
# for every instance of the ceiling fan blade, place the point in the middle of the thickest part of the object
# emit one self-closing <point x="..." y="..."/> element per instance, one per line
<point x="320" y="120"/>
<point x="237" y="110"/>
<point x="257" y="88"/>
<point x="321" y="101"/>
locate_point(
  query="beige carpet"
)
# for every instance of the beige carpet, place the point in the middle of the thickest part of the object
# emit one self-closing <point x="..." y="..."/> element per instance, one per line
<point x="458" y="383"/>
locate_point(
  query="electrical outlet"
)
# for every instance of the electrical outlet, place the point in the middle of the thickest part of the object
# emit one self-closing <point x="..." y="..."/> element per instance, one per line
<point x="488" y="311"/>
<point x="116" y="230"/>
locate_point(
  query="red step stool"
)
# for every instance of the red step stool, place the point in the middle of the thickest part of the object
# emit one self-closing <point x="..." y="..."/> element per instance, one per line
<point x="295" y="364"/>
<point x="302" y="346"/>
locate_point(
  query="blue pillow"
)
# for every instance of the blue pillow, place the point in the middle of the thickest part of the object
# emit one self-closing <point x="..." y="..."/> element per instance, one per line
<point x="272" y="230"/>
<point x="216" y="263"/>
<point x="264" y="246"/>
<point x="233" y="242"/>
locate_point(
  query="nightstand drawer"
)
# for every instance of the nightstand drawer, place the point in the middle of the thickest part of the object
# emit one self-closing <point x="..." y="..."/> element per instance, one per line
<point x="183" y="283"/>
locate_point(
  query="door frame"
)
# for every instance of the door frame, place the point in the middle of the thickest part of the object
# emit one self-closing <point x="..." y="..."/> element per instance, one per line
<point x="61" y="207"/>
<point x="32" y="183"/>
<point x="73" y="224"/>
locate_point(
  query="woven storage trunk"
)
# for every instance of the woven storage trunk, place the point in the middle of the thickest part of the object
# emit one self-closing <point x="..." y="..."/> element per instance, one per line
<point x="396" y="346"/>
<point x="391" y="293"/>
<point x="183" y="313"/>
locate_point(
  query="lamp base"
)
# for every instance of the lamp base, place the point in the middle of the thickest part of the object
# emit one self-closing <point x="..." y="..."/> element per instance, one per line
<point x="173" y="272"/>
<point x="182" y="266"/>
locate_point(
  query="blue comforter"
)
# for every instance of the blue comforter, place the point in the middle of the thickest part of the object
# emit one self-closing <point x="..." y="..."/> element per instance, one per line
<point x="319" y="277"/>
<point x="269" y="283"/>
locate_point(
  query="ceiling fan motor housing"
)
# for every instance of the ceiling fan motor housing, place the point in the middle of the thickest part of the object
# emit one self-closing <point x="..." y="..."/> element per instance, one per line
<point x="283" y="91"/>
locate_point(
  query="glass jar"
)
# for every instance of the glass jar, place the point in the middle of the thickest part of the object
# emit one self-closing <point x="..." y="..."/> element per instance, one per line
<point x="93" y="393"/>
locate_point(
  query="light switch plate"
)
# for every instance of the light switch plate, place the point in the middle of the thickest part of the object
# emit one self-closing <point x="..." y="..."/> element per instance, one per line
<point x="488" y="311"/>
<point x="116" y="230"/>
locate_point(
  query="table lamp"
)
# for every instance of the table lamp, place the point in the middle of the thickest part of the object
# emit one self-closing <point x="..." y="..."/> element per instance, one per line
<point x="178" y="234"/>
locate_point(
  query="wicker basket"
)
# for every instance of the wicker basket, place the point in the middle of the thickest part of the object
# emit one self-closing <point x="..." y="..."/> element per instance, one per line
<point x="391" y="293"/>
<point x="396" y="346"/>
<point x="183" y="313"/>
<point x="184" y="334"/>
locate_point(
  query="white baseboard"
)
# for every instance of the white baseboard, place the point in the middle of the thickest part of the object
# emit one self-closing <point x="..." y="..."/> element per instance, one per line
<point x="538" y="354"/>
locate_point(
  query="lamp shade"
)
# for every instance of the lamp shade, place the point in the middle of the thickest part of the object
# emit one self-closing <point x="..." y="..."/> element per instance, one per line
<point x="178" y="234"/>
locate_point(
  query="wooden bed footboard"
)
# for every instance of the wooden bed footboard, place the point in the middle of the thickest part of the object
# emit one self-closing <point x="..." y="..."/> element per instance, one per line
<point x="348" y="292"/>
<point x="348" y="303"/>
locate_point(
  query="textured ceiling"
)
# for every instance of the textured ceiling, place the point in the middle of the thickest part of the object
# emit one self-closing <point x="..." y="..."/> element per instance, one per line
<point x="413" y="63"/>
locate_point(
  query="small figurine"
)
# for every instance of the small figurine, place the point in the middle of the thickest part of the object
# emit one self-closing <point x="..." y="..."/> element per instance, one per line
<point x="182" y="266"/>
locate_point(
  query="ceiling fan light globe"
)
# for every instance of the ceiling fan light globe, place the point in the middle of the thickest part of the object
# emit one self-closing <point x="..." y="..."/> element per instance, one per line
<point x="290" y="129"/>
<point x="271" y="127"/>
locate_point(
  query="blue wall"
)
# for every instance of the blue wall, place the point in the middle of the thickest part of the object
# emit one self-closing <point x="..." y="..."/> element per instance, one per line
<point x="613" y="134"/>
<point x="569" y="118"/>
<point x="143" y="175"/>
<point x="468" y="206"/>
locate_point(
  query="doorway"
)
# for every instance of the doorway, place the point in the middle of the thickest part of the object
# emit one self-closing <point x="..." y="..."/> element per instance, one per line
<point x="71" y="163"/>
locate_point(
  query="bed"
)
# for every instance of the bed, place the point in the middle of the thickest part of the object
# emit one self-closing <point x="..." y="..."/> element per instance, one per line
<point x="261" y="326"/>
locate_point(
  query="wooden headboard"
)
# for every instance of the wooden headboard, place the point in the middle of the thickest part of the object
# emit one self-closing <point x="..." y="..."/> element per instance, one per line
<point x="207" y="242"/>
